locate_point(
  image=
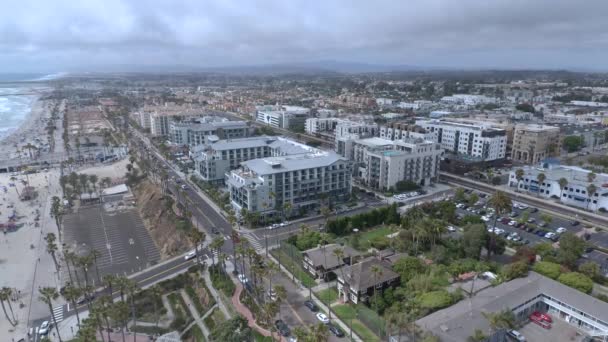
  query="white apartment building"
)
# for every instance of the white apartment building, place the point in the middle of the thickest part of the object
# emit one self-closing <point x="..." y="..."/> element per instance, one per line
<point x="467" y="99"/>
<point x="575" y="193"/>
<point x="217" y="157"/>
<point x="282" y="186"/>
<point x="143" y="118"/>
<point x="474" y="141"/>
<point x="321" y="125"/>
<point x="197" y="131"/>
<point x="381" y="163"/>
<point x="402" y="130"/>
<point x="159" y="124"/>
<point x="346" y="133"/>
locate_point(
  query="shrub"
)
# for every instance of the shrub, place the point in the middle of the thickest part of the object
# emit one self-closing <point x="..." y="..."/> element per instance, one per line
<point x="435" y="299"/>
<point x="577" y="280"/>
<point x="515" y="270"/>
<point x="549" y="269"/>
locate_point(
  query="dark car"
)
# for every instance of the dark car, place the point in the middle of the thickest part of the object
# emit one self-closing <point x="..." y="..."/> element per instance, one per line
<point x="282" y="327"/>
<point x="336" y="331"/>
<point x="540" y="233"/>
<point x="575" y="223"/>
<point x="312" y="306"/>
<point x="533" y="210"/>
<point x="513" y="214"/>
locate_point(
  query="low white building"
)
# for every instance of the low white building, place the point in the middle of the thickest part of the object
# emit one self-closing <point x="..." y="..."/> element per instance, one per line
<point x="195" y="132"/>
<point x="574" y="193"/>
<point x="286" y="117"/>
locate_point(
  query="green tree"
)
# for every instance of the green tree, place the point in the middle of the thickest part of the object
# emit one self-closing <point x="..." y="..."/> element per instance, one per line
<point x="409" y="267"/>
<point x="541" y="179"/>
<point x="519" y="175"/>
<point x="571" y="248"/>
<point x="71" y="294"/>
<point x="576" y="280"/>
<point x="591" y="177"/>
<point x="563" y="182"/>
<point x="459" y="195"/>
<point x="235" y="329"/>
<point x="591" y="189"/>
<point x="473" y="198"/>
<point x="514" y="270"/>
<point x="51" y="248"/>
<point x="525" y="107"/>
<point x="573" y="143"/>
<point x="590" y="269"/>
<point x="119" y="313"/>
<point x="474" y="238"/>
<point x="500" y="320"/>
<point x="501" y="202"/>
<point x="549" y="269"/>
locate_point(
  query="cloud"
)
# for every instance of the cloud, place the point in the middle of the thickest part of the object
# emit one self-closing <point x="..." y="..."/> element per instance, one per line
<point x="464" y="33"/>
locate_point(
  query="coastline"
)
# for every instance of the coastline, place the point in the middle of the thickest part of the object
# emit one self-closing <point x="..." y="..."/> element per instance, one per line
<point x="32" y="126"/>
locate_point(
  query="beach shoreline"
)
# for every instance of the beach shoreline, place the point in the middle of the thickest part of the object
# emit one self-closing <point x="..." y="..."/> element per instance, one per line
<point x="32" y="126"/>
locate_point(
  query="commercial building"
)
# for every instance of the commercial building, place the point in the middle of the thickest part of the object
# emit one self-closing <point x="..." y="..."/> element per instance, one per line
<point x="467" y="99"/>
<point x="382" y="163"/>
<point x="474" y="141"/>
<point x="533" y="143"/>
<point x="523" y="296"/>
<point x="213" y="159"/>
<point x="196" y="131"/>
<point x="576" y="190"/>
<point x="296" y="183"/>
<point x="287" y="117"/>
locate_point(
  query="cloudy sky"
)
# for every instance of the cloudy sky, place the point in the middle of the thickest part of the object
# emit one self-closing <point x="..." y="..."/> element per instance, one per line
<point x="69" y="35"/>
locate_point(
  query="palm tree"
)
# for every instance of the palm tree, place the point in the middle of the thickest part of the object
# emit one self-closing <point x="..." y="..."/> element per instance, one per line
<point x="14" y="180"/>
<point x="120" y="314"/>
<point x="29" y="147"/>
<point x="103" y="308"/>
<point x="489" y="175"/>
<point x="591" y="189"/>
<point x="286" y="209"/>
<point x="5" y="296"/>
<point x="541" y="179"/>
<point x="132" y="288"/>
<point x="216" y="245"/>
<point x="122" y="282"/>
<point x="48" y="295"/>
<point x="57" y="213"/>
<point x="197" y="238"/>
<point x="562" y="184"/>
<point x="83" y="180"/>
<point x="94" y="255"/>
<point x="51" y="248"/>
<point x="108" y="281"/>
<point x="500" y="320"/>
<point x="156" y="292"/>
<point x="93" y="179"/>
<point x="519" y="175"/>
<point x="68" y="257"/>
<point x="591" y="177"/>
<point x="85" y="262"/>
<point x="71" y="294"/>
<point x="377" y="271"/>
<point x="501" y="203"/>
<point x="339" y="254"/>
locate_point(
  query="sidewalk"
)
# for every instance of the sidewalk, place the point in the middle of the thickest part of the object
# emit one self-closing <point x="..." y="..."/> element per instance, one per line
<point x="215" y="295"/>
<point x="243" y="310"/>
<point x="194" y="313"/>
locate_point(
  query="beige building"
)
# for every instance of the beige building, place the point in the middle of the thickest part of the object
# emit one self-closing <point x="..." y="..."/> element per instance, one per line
<point x="533" y="143"/>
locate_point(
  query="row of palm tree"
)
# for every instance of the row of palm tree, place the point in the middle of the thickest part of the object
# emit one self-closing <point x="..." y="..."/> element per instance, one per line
<point x="82" y="183"/>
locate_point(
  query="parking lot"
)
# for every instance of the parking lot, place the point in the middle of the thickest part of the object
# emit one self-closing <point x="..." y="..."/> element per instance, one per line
<point x="559" y="331"/>
<point x="529" y="232"/>
<point x="120" y="237"/>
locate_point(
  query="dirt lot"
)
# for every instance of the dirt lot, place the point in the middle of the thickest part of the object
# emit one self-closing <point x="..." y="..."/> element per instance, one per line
<point x="159" y="219"/>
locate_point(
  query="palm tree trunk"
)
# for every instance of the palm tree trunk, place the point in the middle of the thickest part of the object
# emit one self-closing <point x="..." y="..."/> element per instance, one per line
<point x="6" y="314"/>
<point x="133" y="318"/>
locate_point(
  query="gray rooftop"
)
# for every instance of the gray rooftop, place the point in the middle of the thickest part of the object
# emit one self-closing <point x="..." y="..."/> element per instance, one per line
<point x="460" y="320"/>
<point x="271" y="165"/>
<point x="360" y="276"/>
<point x="324" y="256"/>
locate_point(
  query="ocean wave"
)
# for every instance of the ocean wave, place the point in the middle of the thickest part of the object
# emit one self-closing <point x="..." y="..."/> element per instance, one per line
<point x="51" y="77"/>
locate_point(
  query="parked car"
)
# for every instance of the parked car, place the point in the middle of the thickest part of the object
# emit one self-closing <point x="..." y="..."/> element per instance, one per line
<point x="242" y="278"/>
<point x="512" y="223"/>
<point x="543" y="316"/>
<point x="505" y="220"/>
<point x="272" y="295"/>
<point x="451" y="229"/>
<point x="560" y="230"/>
<point x="516" y="335"/>
<point x="282" y="327"/>
<point x="550" y="235"/>
<point x="335" y="330"/>
<point x="533" y="210"/>
<point x="531" y="220"/>
<point x="311" y="305"/>
<point x="513" y="214"/>
<point x="542" y="224"/>
<point x="322" y="318"/>
<point x="575" y="223"/>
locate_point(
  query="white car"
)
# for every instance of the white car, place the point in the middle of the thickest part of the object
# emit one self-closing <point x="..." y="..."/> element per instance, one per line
<point x="322" y="317"/>
<point x="512" y="223"/>
<point x="274" y="226"/>
<point x="560" y="230"/>
<point x="451" y="229"/>
<point x="190" y="255"/>
<point x="485" y="218"/>
<point x="243" y="279"/>
<point x="44" y="328"/>
<point x="517" y="335"/>
<point x="550" y="235"/>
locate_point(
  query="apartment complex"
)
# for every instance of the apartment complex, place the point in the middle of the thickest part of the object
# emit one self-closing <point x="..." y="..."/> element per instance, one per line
<point x="401" y="130"/>
<point x="213" y="159"/>
<point x="576" y="190"/>
<point x="477" y="142"/>
<point x="276" y="186"/>
<point x="533" y="143"/>
<point x="287" y="117"/>
<point x="197" y="131"/>
<point x="382" y="163"/>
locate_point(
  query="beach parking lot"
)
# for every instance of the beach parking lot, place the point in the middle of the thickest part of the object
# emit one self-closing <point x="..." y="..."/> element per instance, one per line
<point x="123" y="243"/>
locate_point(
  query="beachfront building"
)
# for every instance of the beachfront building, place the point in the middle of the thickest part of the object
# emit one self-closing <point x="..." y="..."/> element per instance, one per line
<point x="474" y="141"/>
<point x="573" y="311"/>
<point x="576" y="190"/>
<point x="381" y="163"/>
<point x="196" y="131"/>
<point x="286" y="117"/>
<point x="533" y="143"/>
<point x="216" y="157"/>
<point x="284" y="185"/>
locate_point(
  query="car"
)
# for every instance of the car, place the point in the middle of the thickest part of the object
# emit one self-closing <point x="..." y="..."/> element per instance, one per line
<point x="184" y="187"/>
<point x="513" y="214"/>
<point x="531" y="220"/>
<point x="335" y="330"/>
<point x="575" y="223"/>
<point x="512" y="223"/>
<point x="533" y="210"/>
<point x="560" y="230"/>
<point x="550" y="235"/>
<point x="542" y="224"/>
<point x="322" y="318"/>
<point x="282" y="327"/>
<point x="44" y="328"/>
<point x="85" y="299"/>
<point x="516" y="335"/>
<point x="190" y="255"/>
<point x="505" y="220"/>
<point x="451" y="229"/>
<point x="485" y="218"/>
<point x="311" y="305"/>
<point x="540" y="232"/>
<point x="543" y="316"/>
<point x="242" y="278"/>
<point x="272" y="295"/>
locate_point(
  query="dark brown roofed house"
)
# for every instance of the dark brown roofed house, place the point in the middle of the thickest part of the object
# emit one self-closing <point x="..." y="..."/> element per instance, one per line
<point x="321" y="262"/>
<point x="359" y="280"/>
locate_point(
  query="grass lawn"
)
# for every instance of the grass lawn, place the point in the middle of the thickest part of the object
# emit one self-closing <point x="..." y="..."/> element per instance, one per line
<point x="346" y="312"/>
<point x="214" y="319"/>
<point x="294" y="268"/>
<point x="328" y="295"/>
<point x="197" y="334"/>
<point x="257" y="337"/>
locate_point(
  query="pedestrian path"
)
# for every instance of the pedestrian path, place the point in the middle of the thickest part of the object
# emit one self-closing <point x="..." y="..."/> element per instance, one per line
<point x="255" y="243"/>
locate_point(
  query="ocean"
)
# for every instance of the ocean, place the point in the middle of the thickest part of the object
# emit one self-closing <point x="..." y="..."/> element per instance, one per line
<point x="14" y="105"/>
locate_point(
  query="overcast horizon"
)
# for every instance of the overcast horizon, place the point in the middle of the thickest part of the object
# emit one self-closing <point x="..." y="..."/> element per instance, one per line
<point x="111" y="35"/>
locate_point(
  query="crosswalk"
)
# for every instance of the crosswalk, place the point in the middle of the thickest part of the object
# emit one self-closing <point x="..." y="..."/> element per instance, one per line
<point x="257" y="245"/>
<point x="58" y="313"/>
